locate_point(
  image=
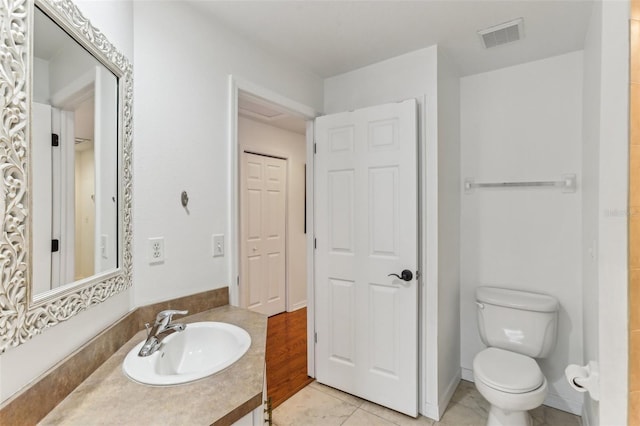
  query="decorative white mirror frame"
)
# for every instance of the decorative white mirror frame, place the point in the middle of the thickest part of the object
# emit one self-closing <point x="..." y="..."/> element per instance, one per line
<point x="20" y="317"/>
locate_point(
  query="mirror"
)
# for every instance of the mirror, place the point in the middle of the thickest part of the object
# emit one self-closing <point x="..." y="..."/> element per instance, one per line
<point x="65" y="143"/>
<point x="74" y="146"/>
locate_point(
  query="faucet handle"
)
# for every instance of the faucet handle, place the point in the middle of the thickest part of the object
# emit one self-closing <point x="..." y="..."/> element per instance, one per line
<point x="167" y="315"/>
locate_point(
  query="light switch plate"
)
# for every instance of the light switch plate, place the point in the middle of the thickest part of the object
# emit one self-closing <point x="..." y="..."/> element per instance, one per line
<point x="218" y="245"/>
<point x="104" y="246"/>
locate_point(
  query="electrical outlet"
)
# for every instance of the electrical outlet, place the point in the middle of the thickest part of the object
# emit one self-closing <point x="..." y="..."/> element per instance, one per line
<point x="218" y="245"/>
<point x="156" y="250"/>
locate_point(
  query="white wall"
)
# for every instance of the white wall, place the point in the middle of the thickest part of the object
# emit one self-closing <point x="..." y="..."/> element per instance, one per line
<point x="411" y="75"/>
<point x="612" y="218"/>
<point x="181" y="131"/>
<point x="68" y="67"/>
<point x="449" y="188"/>
<point x="45" y="350"/>
<point x="518" y="124"/>
<point x="590" y="199"/>
<point x="265" y="139"/>
<point x="414" y="75"/>
<point x="41" y="91"/>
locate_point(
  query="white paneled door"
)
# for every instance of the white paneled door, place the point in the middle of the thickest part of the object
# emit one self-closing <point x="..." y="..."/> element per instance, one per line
<point x="262" y="233"/>
<point x="367" y="228"/>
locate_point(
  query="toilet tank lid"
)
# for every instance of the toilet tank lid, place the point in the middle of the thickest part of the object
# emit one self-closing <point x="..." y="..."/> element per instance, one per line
<point x="517" y="299"/>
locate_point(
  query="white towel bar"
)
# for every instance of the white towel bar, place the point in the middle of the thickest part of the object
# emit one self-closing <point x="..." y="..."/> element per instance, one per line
<point x="567" y="184"/>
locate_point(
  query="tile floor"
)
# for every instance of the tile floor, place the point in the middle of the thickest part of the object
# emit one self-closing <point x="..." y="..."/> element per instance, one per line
<point x="317" y="404"/>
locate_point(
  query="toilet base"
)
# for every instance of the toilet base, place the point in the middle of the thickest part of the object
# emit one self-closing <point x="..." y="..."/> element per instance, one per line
<point x="508" y="409"/>
<point x="499" y="417"/>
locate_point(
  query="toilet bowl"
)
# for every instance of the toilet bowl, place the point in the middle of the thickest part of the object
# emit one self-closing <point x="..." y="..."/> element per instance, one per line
<point x="517" y="327"/>
<point x="512" y="383"/>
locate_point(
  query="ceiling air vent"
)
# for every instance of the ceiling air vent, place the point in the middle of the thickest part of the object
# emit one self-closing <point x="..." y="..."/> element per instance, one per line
<point x="502" y="34"/>
<point x="257" y="108"/>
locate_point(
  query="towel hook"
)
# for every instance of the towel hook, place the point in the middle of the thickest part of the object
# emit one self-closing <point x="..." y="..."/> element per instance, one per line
<point x="184" y="198"/>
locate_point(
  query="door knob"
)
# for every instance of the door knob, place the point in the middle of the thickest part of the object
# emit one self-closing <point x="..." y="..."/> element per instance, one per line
<point x="405" y="275"/>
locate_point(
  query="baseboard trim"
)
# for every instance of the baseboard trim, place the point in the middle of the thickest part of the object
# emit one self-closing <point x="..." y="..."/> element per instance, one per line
<point x="564" y="404"/>
<point x="467" y="374"/>
<point x="434" y="411"/>
<point x="297" y="306"/>
<point x="586" y="418"/>
<point x="431" y="411"/>
<point x="451" y="389"/>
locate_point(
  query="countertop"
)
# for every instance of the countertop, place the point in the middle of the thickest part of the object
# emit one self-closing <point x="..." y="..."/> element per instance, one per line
<point x="108" y="397"/>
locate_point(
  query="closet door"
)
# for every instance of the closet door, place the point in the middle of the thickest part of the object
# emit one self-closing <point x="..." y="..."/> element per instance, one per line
<point x="263" y="233"/>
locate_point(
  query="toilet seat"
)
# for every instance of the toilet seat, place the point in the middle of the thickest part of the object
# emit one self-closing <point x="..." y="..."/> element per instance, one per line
<point x="507" y="371"/>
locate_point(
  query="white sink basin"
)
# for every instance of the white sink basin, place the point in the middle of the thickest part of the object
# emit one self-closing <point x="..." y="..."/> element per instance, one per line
<point x="202" y="349"/>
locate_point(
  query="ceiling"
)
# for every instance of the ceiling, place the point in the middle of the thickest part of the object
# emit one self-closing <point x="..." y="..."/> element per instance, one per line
<point x="333" y="37"/>
<point x="258" y="109"/>
<point x="50" y="39"/>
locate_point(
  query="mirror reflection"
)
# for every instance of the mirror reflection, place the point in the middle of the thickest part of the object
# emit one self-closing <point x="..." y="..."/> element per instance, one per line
<point x="74" y="157"/>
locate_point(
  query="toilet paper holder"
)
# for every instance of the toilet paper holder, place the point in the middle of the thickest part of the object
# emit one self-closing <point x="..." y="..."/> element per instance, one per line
<point x="584" y="378"/>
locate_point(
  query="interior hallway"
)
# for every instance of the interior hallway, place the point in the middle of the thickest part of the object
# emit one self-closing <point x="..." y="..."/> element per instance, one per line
<point x="286" y="356"/>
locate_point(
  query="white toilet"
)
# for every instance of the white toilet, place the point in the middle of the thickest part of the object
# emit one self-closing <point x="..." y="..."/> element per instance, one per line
<point x="516" y="326"/>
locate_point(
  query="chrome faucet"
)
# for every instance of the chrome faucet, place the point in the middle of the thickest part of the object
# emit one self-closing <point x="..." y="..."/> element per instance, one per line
<point x="162" y="328"/>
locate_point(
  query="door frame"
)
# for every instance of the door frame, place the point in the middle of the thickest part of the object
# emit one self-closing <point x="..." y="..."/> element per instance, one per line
<point x="63" y="102"/>
<point x="235" y="84"/>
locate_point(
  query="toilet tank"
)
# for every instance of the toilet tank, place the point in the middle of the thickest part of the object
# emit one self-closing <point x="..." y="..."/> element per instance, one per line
<point x="517" y="321"/>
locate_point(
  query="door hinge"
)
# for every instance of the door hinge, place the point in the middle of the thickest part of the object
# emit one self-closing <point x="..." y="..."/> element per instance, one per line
<point x="315" y="148"/>
<point x="269" y="411"/>
<point x="315" y="337"/>
<point x="55" y="140"/>
<point x="315" y="243"/>
<point x="55" y="246"/>
<point x="238" y="280"/>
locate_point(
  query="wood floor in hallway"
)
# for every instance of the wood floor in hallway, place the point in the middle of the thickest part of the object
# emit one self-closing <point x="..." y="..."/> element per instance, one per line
<point x="286" y="355"/>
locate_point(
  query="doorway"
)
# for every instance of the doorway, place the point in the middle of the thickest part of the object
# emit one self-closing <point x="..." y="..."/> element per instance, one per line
<point x="272" y="250"/>
<point x="269" y="147"/>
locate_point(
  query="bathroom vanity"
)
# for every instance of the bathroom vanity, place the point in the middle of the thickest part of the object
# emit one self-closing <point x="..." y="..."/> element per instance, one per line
<point x="108" y="396"/>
